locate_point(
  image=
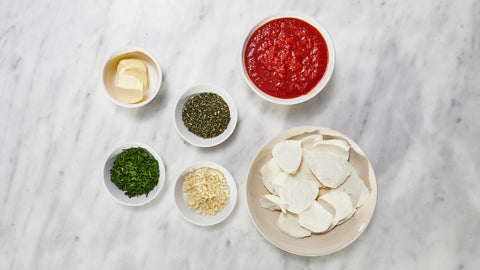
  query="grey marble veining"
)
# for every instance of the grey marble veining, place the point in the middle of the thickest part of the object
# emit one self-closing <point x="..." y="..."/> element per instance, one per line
<point x="405" y="87"/>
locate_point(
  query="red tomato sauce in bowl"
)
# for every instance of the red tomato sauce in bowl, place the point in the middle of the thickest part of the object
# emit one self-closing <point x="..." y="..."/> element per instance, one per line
<point x="286" y="58"/>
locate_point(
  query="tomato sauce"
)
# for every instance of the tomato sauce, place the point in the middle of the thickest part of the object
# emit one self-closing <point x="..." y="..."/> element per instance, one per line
<point x="286" y="57"/>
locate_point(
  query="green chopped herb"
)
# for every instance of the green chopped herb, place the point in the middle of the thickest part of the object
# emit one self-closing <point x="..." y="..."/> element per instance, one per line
<point x="206" y="115"/>
<point x="135" y="171"/>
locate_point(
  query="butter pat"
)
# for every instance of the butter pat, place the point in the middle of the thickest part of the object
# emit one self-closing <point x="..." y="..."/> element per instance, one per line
<point x="132" y="79"/>
<point x="125" y="64"/>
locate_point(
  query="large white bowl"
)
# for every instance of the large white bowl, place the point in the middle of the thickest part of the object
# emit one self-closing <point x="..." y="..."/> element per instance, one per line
<point x="193" y="216"/>
<point x="197" y="140"/>
<point x="119" y="195"/>
<point x="323" y="81"/>
<point x="154" y="75"/>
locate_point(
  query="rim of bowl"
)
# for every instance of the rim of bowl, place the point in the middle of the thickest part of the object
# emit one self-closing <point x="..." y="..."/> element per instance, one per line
<point x="323" y="81"/>
<point x="161" y="170"/>
<point x="156" y="88"/>
<point x="227" y="175"/>
<point x="202" y="142"/>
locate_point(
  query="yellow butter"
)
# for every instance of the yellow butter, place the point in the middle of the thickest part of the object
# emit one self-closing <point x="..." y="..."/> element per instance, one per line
<point x="132" y="79"/>
<point x="131" y="64"/>
<point x="140" y="75"/>
<point x="128" y="95"/>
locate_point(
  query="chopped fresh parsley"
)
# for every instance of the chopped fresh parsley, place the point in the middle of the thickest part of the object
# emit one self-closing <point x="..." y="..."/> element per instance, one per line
<point x="135" y="171"/>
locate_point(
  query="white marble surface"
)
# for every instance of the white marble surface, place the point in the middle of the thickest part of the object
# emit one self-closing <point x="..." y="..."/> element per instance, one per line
<point x="405" y="87"/>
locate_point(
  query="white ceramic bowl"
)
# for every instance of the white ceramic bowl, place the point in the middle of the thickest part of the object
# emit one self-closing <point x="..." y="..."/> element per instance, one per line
<point x="154" y="75"/>
<point x="118" y="194"/>
<point x="191" y="215"/>
<point x="197" y="140"/>
<point x="323" y="81"/>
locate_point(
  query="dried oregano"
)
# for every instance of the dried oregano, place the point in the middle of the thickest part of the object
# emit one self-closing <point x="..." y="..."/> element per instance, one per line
<point x="206" y="115"/>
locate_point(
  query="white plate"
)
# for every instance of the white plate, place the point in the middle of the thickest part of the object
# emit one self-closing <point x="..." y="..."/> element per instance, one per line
<point x="323" y="81"/>
<point x="317" y="244"/>
<point x="119" y="195"/>
<point x="191" y="215"/>
<point x="189" y="136"/>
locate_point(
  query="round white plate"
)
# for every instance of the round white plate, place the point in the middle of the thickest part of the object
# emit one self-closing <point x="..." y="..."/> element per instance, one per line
<point x="317" y="244"/>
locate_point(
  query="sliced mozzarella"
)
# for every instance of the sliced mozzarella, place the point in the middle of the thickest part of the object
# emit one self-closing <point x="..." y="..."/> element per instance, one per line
<point x="330" y="169"/>
<point x="288" y="155"/>
<point x="309" y="141"/>
<point x="304" y="171"/>
<point x="339" y="147"/>
<point x="272" y="203"/>
<point x="347" y="218"/>
<point x="355" y="188"/>
<point x="272" y="175"/>
<point x="288" y="224"/>
<point x="340" y="201"/>
<point x="316" y="218"/>
<point x="297" y="177"/>
<point x="330" y="209"/>
<point x="279" y="182"/>
<point x="299" y="195"/>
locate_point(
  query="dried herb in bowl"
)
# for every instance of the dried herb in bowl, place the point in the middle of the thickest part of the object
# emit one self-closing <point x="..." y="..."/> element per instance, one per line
<point x="206" y="115"/>
<point x="135" y="172"/>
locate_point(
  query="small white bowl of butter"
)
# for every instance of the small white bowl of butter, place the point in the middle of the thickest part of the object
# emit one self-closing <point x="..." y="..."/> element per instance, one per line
<point x="132" y="77"/>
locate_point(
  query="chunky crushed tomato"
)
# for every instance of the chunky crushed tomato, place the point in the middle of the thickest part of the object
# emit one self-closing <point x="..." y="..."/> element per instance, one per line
<point x="286" y="57"/>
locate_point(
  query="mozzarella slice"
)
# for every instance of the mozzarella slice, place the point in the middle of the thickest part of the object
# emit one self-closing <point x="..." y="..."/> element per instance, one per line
<point x="347" y="218"/>
<point x="355" y="188"/>
<point x="272" y="203"/>
<point x="308" y="141"/>
<point x="279" y="182"/>
<point x="295" y="178"/>
<point x="330" y="169"/>
<point x="339" y="147"/>
<point x="316" y="218"/>
<point x="288" y="224"/>
<point x="299" y="195"/>
<point x="288" y="155"/>
<point x="340" y="201"/>
<point x="272" y="176"/>
<point x="304" y="171"/>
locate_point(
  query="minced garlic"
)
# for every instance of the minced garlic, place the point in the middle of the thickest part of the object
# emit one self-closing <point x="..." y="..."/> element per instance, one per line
<point x="206" y="191"/>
